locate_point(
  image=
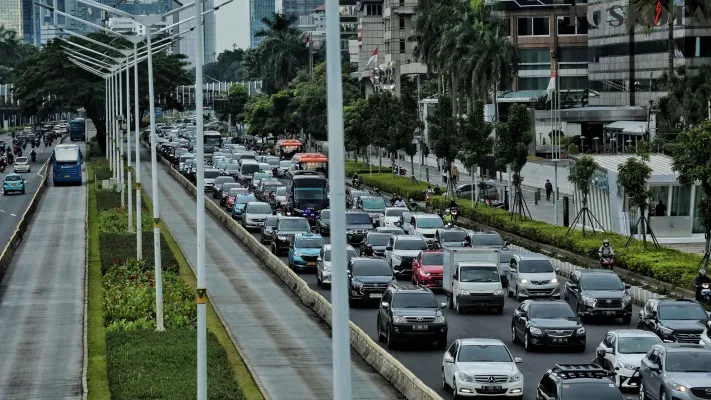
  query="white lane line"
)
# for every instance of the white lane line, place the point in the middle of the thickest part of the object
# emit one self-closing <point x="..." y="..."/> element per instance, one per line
<point x="2" y="210"/>
<point x="13" y="215"/>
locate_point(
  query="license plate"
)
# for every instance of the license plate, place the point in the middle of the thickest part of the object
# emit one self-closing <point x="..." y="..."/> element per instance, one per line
<point x="66" y="176"/>
<point x="560" y="340"/>
<point x="419" y="327"/>
<point x="376" y="295"/>
<point x="609" y="313"/>
<point x="490" y="388"/>
<point x="311" y="263"/>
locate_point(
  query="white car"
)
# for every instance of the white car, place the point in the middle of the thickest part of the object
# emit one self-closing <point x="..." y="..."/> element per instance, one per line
<point x="392" y="216"/>
<point x="22" y="164"/>
<point x="402" y="250"/>
<point x="621" y="351"/>
<point x="481" y="368"/>
<point x="323" y="265"/>
<point x="425" y="225"/>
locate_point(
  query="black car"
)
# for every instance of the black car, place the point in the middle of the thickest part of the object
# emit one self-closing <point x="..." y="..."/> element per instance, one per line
<point x="578" y="382"/>
<point x="378" y="240"/>
<point x="225" y="189"/>
<point x="450" y="237"/>
<point x="367" y="279"/>
<point x="410" y="313"/>
<point x="549" y="323"/>
<point x="232" y="170"/>
<point x="373" y="205"/>
<point x="323" y="222"/>
<point x="219" y="181"/>
<point x="284" y="231"/>
<point x="598" y="293"/>
<point x="674" y="320"/>
<point x="358" y="224"/>
<point x="265" y="231"/>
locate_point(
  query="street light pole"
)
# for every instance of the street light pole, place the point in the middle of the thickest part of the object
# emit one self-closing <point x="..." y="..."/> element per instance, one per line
<point x="127" y="53"/>
<point x="119" y="135"/>
<point x="139" y="217"/>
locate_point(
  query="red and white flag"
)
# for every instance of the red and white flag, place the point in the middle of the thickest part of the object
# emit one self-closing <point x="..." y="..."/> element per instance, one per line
<point x="372" y="60"/>
<point x="551" y="87"/>
<point x="308" y="40"/>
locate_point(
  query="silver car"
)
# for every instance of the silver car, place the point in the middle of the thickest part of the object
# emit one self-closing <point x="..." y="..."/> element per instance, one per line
<point x="532" y="275"/>
<point x="323" y="265"/>
<point x="255" y="212"/>
<point x="676" y="371"/>
<point x="22" y="164"/>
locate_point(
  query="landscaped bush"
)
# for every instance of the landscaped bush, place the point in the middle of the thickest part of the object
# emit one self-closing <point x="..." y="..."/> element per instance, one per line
<point x="363" y="168"/>
<point x="116" y="221"/>
<point x="115" y="248"/>
<point x="129" y="298"/>
<point x="101" y="169"/>
<point x="145" y="364"/>
<point x="390" y="183"/>
<point x="108" y="199"/>
<point x="665" y="264"/>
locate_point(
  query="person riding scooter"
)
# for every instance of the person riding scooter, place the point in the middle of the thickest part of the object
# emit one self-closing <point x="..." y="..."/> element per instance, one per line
<point x="700" y="279"/>
<point x="33" y="156"/>
<point x="467" y="241"/>
<point x="606" y="254"/>
<point x="368" y="251"/>
<point x="356" y="180"/>
<point x="448" y="219"/>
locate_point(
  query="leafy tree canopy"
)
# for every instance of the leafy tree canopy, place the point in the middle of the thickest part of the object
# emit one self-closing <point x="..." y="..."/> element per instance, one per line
<point x="513" y="138"/>
<point x="477" y="142"/>
<point x="581" y="175"/>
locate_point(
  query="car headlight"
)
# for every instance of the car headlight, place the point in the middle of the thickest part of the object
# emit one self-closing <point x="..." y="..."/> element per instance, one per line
<point x="498" y="292"/>
<point x="424" y="273"/>
<point x="580" y="331"/>
<point x="280" y="237"/>
<point x="622" y="365"/>
<point x="462" y="292"/>
<point x="589" y="301"/>
<point x="326" y="268"/>
<point x="464" y="377"/>
<point x="396" y="257"/>
<point x="399" y="320"/>
<point x="666" y="331"/>
<point x="677" y="387"/>
<point x="535" y="330"/>
<point x="627" y="298"/>
<point x="554" y="281"/>
<point x="439" y="319"/>
<point x="297" y="254"/>
<point x="523" y="281"/>
<point x="516" y="378"/>
<point x="357" y="285"/>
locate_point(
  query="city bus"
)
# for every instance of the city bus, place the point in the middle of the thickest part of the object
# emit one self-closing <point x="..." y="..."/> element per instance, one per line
<point x="77" y="129"/>
<point x="66" y="164"/>
<point x="311" y="161"/>
<point x="286" y="148"/>
<point x="212" y="141"/>
<point x="307" y="193"/>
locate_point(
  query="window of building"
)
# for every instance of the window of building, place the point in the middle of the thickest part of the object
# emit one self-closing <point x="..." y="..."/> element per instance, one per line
<point x="565" y="27"/>
<point x="681" y="201"/>
<point x="373" y="9"/>
<point x="533" y="26"/>
<point x="402" y="3"/>
<point x="402" y="46"/>
<point x="531" y="59"/>
<point x="533" y="83"/>
<point x="573" y="57"/>
<point x="573" y="82"/>
<point x="402" y="22"/>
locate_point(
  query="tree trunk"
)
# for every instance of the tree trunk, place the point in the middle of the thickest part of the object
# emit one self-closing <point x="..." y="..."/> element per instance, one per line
<point x="643" y="227"/>
<point x="470" y="105"/>
<point x="475" y="189"/>
<point x="412" y="166"/>
<point x="453" y="95"/>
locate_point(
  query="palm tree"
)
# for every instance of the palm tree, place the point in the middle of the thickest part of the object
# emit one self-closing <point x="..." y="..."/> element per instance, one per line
<point x="283" y="50"/>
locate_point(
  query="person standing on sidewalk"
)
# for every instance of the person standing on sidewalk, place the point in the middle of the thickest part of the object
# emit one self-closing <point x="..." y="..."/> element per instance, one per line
<point x="549" y="190"/>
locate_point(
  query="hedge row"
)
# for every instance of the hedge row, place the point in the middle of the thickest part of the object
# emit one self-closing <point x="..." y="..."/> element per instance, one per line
<point x="116" y="248"/>
<point x="101" y="169"/>
<point x="116" y="221"/>
<point x="664" y="264"/>
<point x="363" y="168"/>
<point x="389" y="183"/>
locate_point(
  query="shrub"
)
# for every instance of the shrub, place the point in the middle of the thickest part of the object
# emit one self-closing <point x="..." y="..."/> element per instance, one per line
<point x="363" y="168"/>
<point x="389" y="183"/>
<point x="116" y="221"/>
<point x="116" y="248"/>
<point x="101" y="169"/>
<point x="129" y="298"/>
<point x="664" y="264"/>
<point x="107" y="199"/>
<point x="145" y="364"/>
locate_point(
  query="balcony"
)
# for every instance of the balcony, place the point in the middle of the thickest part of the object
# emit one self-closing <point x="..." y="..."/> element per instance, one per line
<point x="403" y="9"/>
<point x="386" y="12"/>
<point x="387" y="35"/>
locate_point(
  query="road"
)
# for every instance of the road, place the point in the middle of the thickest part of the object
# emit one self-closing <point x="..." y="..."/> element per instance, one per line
<point x="42" y="301"/>
<point x="13" y="206"/>
<point x="426" y="362"/>
<point x="287" y="345"/>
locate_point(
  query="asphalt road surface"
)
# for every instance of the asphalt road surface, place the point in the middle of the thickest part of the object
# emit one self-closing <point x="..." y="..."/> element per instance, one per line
<point x="287" y="345"/>
<point x="426" y="363"/>
<point x="42" y="299"/>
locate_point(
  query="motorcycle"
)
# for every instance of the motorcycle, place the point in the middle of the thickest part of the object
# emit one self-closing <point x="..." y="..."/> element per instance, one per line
<point x="402" y="171"/>
<point x="607" y="261"/>
<point x="454" y="211"/>
<point x="356" y="183"/>
<point x="705" y="292"/>
<point x="33" y="157"/>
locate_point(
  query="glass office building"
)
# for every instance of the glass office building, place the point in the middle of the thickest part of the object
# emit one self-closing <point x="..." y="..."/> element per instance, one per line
<point x="259" y="9"/>
<point x="298" y="8"/>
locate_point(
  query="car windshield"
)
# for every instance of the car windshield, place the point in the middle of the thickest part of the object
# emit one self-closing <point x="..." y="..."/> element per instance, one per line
<point x="483" y="353"/>
<point x="281" y="191"/>
<point x="550" y="311"/>
<point x="487" y="240"/>
<point x="602" y="282"/>
<point x="325" y="214"/>
<point x="236" y="191"/>
<point x="294" y="225"/>
<point x="309" y="194"/>
<point x="478" y="274"/>
<point x="270" y="188"/>
<point x="433" y="258"/>
<point x="410" y="244"/>
<point x="429" y="223"/>
<point x="249" y="168"/>
<point x="232" y="167"/>
<point x="211" y="174"/>
<point x="13" y="178"/>
<point x="358" y="193"/>
<point x="358" y="219"/>
<point x="395" y="212"/>
<point x="260" y="175"/>
<point x="224" y="179"/>
<point x="259" y="208"/>
<point x="688" y="361"/>
<point x="392" y="231"/>
<point x="415" y="300"/>
<point x="378" y="239"/>
<point x="602" y="390"/>
<point x="244" y="199"/>
<point x="372" y="268"/>
<point x="680" y="311"/>
<point x="454" y="235"/>
<point x="373" y="203"/>
<point x="535" y="266"/>
<point x="284" y="164"/>
<point x="21" y="160"/>
<point x="309" y="243"/>
<point x="350" y="254"/>
<point x="271" y="221"/>
<point x="636" y="345"/>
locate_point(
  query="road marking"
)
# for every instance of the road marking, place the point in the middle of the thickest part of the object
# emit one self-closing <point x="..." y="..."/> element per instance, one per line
<point x="2" y="210"/>
<point x="13" y="215"/>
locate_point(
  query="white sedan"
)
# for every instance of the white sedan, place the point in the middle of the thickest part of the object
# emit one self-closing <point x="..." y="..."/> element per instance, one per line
<point x="621" y="351"/>
<point x="392" y="215"/>
<point x="22" y="164"/>
<point x="481" y="367"/>
<point x="323" y="266"/>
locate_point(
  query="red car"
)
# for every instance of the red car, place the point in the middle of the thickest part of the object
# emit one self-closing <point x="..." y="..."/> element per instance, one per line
<point x="231" y="195"/>
<point x="427" y="268"/>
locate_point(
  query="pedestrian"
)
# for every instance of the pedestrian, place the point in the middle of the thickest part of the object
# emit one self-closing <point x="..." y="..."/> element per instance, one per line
<point x="549" y="189"/>
<point x="660" y="210"/>
<point x="455" y="176"/>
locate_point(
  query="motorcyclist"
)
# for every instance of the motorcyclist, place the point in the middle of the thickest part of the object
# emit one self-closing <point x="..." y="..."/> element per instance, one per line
<point x="467" y="241"/>
<point x="368" y="251"/>
<point x="700" y="279"/>
<point x="355" y="181"/>
<point x="453" y="204"/>
<point x="33" y="156"/>
<point x="278" y="207"/>
<point x="605" y="251"/>
<point x="448" y="219"/>
<point x="400" y="202"/>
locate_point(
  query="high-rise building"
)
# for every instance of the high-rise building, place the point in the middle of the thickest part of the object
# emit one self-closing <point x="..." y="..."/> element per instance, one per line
<point x="11" y="15"/>
<point x="314" y="25"/>
<point x="258" y="10"/>
<point x="297" y="8"/>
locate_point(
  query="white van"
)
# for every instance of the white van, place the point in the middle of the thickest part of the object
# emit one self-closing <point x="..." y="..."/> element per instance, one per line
<point x="247" y="169"/>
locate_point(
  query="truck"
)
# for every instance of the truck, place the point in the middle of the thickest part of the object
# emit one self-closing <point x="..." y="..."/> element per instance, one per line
<point x="471" y="279"/>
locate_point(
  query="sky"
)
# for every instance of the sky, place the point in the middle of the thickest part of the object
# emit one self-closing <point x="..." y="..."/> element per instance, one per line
<point x="233" y="26"/>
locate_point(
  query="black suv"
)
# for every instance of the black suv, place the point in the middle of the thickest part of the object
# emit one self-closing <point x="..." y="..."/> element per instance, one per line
<point x="219" y="181"/>
<point x="323" y="222"/>
<point x="358" y="224"/>
<point x="549" y="323"/>
<point x="578" y="382"/>
<point x="368" y="278"/>
<point x="674" y="320"/>
<point x="284" y="231"/>
<point x="598" y="293"/>
<point x="410" y="313"/>
<point x="378" y="240"/>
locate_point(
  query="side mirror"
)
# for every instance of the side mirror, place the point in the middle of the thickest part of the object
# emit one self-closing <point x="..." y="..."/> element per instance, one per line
<point x="397" y="223"/>
<point x="654" y="367"/>
<point x="455" y="276"/>
<point x="442" y="305"/>
<point x="448" y="358"/>
<point x="518" y="360"/>
<point x="385" y="304"/>
<point x="389" y="248"/>
<point x="521" y="314"/>
<point x="319" y="259"/>
<point x="627" y="287"/>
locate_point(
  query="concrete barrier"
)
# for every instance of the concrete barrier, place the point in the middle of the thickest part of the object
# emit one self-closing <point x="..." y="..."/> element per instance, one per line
<point x="388" y="366"/>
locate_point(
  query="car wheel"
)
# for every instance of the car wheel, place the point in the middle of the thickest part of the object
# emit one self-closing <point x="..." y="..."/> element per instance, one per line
<point x="500" y="310"/>
<point x="626" y="320"/>
<point x="455" y="396"/>
<point x="518" y="294"/>
<point x="664" y="394"/>
<point x="274" y="249"/>
<point x="579" y="312"/>
<point x="527" y="342"/>
<point x="509" y="292"/>
<point x="445" y="385"/>
<point x="450" y="302"/>
<point x="458" y="307"/>
<point x="389" y="339"/>
<point x="4" y="192"/>
<point x="381" y="339"/>
<point x="514" y="336"/>
<point x="23" y="191"/>
<point x="642" y="390"/>
<point x="413" y="280"/>
<point x="441" y="344"/>
<point x="580" y="349"/>
<point x="319" y="282"/>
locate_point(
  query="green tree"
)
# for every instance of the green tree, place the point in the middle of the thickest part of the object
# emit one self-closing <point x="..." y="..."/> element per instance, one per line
<point x="227" y="68"/>
<point x="408" y="125"/>
<point x="633" y="175"/>
<point x="581" y="176"/>
<point x="477" y="142"/>
<point x="691" y="155"/>
<point x="355" y="118"/>
<point x="281" y="53"/>
<point x="443" y="134"/>
<point x="237" y="95"/>
<point x="511" y="149"/>
<point x="12" y="52"/>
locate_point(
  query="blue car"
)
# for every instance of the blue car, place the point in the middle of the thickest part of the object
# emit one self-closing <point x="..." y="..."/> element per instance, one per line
<point x="240" y="203"/>
<point x="304" y="251"/>
<point x="13" y="183"/>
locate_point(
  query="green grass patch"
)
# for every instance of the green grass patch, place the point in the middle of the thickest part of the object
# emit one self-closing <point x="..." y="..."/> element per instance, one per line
<point x="116" y="248"/>
<point x="395" y="184"/>
<point x="97" y="380"/>
<point x="146" y="364"/>
<point x="101" y="168"/>
<point x="364" y="168"/>
<point x="116" y="221"/>
<point x="107" y="199"/>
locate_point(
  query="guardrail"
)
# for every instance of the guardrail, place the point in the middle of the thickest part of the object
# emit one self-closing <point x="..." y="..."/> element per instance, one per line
<point x="387" y="366"/>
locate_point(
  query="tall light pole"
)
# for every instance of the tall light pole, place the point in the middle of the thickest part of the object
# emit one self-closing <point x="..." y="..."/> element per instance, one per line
<point x="119" y="133"/>
<point x="127" y="53"/>
<point x="340" y="317"/>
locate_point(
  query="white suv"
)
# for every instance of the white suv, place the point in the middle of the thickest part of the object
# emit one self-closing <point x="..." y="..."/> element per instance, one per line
<point x="621" y="351"/>
<point x="425" y="225"/>
<point x="481" y="367"/>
